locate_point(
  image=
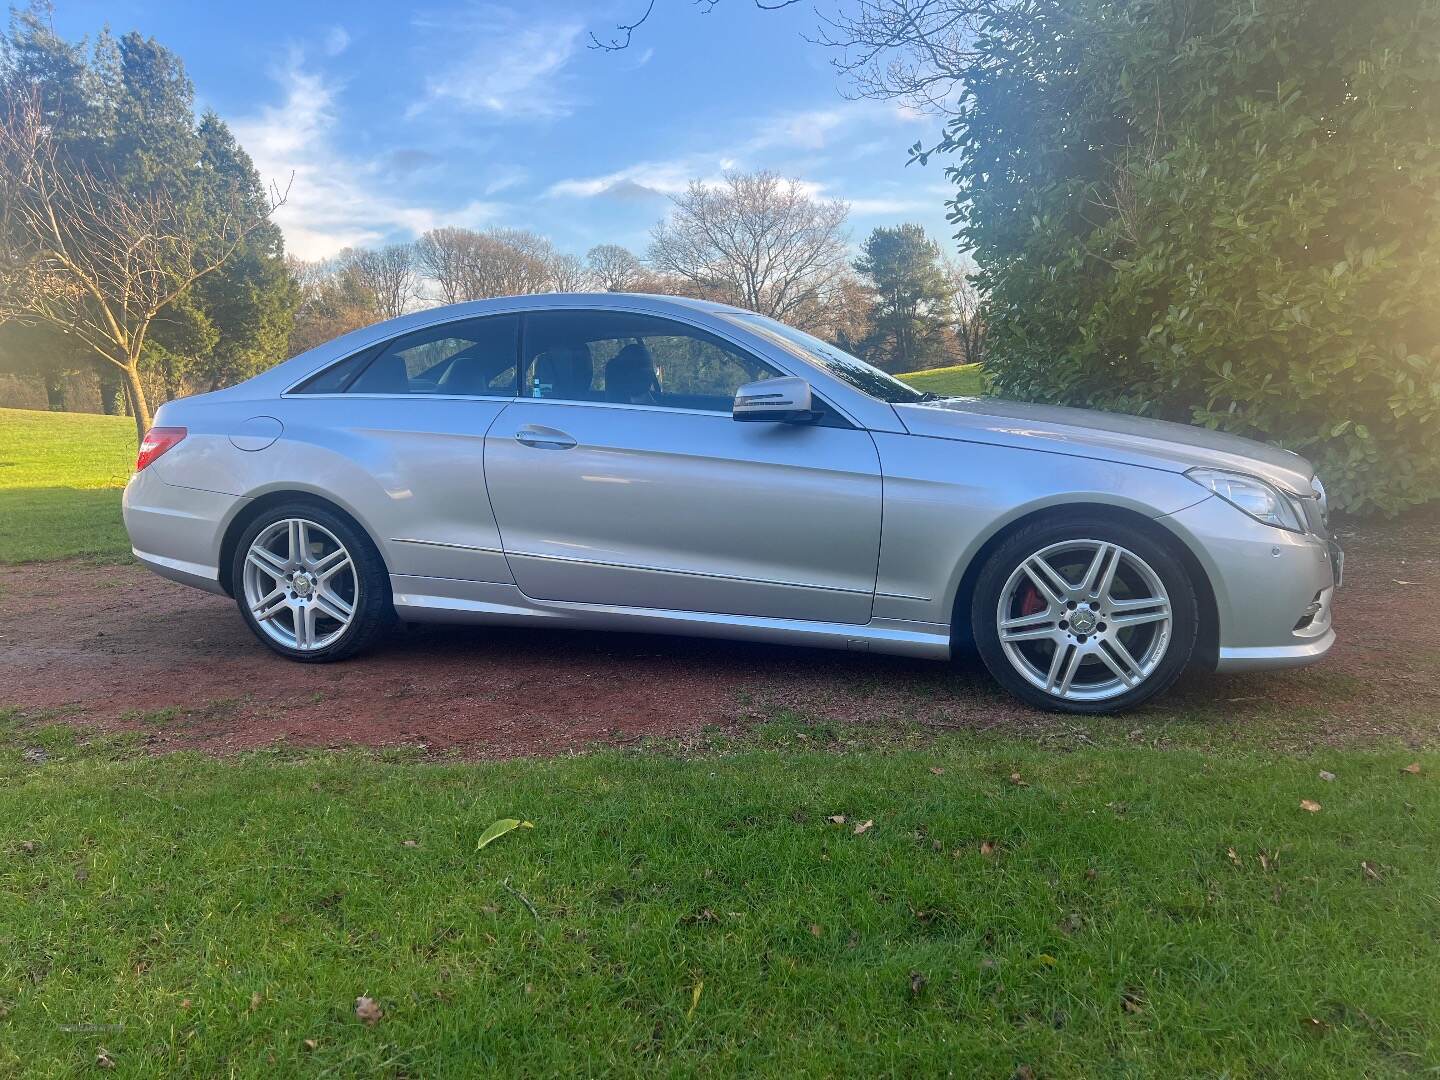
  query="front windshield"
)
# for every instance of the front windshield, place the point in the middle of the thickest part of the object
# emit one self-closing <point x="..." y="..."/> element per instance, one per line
<point x="851" y="369"/>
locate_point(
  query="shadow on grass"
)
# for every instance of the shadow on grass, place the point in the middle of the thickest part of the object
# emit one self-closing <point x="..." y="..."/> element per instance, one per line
<point x="59" y="522"/>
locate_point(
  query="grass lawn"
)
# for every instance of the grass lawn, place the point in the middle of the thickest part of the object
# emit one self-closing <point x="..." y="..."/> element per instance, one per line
<point x="1141" y="913"/>
<point x="60" y="481"/>
<point x="962" y="380"/>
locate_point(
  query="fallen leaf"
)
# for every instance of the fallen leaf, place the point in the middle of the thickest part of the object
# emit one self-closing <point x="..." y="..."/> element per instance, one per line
<point x="367" y="1010"/>
<point x="987" y="847"/>
<point x="310" y="1044"/>
<point x="864" y="826"/>
<point x="185" y="1003"/>
<point x="1328" y="777"/>
<point x="500" y="828"/>
<point x="1017" y="781"/>
<point x="695" y="998"/>
<point x="836" y="819"/>
<point x="1046" y="959"/>
<point x="255" y="1000"/>
<point x="1130" y="1002"/>
<point x="1413" y="768"/>
<point x="103" y="1058"/>
<point x="1266" y="861"/>
<point x="409" y="843"/>
<point x="1310" y="806"/>
<point x="1023" y="1072"/>
<point x="937" y="770"/>
<point x="1234" y="858"/>
<point x="1369" y="871"/>
<point x="816" y="929"/>
<point x="917" y="984"/>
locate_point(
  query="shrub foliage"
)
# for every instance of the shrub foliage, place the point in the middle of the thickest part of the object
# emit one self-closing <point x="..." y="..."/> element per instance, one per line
<point x="1220" y="212"/>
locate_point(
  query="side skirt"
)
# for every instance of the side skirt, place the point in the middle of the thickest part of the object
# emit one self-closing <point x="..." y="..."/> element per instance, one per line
<point x="423" y="599"/>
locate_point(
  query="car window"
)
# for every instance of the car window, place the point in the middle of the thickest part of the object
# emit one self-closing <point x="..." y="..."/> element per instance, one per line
<point x="633" y="359"/>
<point x="472" y="358"/>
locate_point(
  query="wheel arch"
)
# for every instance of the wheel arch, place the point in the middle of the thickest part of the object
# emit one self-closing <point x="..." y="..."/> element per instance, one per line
<point x="259" y="505"/>
<point x="1207" y="643"/>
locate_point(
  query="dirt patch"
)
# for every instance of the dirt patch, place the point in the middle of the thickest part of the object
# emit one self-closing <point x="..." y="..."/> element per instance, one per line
<point x="117" y="648"/>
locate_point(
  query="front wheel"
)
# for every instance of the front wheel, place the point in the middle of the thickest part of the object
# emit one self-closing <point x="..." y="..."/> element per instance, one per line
<point x="310" y="584"/>
<point x="1085" y="616"/>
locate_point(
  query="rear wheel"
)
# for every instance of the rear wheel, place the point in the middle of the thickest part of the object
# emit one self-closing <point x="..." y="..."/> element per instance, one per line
<point x="1085" y="616"/>
<point x="310" y="585"/>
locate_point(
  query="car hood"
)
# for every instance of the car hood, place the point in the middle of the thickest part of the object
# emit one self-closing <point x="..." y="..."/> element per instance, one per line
<point x="1134" y="440"/>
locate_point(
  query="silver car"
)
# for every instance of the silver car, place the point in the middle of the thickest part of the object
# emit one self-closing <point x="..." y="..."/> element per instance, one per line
<point x="659" y="464"/>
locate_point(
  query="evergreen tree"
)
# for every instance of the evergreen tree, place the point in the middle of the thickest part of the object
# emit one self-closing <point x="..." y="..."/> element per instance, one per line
<point x="910" y="325"/>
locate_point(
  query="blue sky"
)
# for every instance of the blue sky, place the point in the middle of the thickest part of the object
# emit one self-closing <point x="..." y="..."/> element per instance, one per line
<point x="395" y="119"/>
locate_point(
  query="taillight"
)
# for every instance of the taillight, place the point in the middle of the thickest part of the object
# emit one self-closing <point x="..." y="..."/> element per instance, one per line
<point x="157" y="440"/>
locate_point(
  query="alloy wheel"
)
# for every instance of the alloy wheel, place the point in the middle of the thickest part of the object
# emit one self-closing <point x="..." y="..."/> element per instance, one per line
<point x="300" y="584"/>
<point x="1084" y="620"/>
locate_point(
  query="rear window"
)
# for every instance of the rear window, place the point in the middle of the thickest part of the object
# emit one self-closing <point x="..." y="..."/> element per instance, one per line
<point x="467" y="358"/>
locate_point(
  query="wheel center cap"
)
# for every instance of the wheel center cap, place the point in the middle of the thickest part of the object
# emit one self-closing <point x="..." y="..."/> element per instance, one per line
<point x="1083" y="621"/>
<point x="302" y="585"/>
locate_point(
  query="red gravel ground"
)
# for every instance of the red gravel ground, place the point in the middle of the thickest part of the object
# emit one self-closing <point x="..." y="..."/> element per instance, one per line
<point x="113" y="647"/>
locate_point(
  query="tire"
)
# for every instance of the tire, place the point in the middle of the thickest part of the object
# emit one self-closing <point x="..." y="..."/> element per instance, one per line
<point x="330" y="605"/>
<point x="1110" y="625"/>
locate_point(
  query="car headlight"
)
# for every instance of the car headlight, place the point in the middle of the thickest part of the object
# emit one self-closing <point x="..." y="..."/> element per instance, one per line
<point x="1252" y="495"/>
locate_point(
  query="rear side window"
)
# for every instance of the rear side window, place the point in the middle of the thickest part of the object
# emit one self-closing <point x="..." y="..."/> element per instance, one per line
<point x="336" y="377"/>
<point x="470" y="358"/>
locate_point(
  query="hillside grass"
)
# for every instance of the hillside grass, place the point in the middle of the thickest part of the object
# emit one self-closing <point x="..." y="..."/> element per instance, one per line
<point x="1116" y="911"/>
<point x="962" y="380"/>
<point x="60" y="481"/>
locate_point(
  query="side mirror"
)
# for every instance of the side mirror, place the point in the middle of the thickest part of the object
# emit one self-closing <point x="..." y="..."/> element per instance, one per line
<point x="776" y="401"/>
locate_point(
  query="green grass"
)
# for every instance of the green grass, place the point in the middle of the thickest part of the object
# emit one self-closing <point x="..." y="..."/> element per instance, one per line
<point x="702" y="916"/>
<point x="60" y="481"/>
<point x="962" y="380"/>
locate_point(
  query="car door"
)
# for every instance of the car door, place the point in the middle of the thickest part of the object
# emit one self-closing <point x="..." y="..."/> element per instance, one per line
<point x="622" y="479"/>
<point x="413" y="412"/>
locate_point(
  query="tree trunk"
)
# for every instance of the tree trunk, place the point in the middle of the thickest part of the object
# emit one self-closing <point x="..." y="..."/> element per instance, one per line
<point x="138" y="406"/>
<point x="55" y="390"/>
<point x="111" y="390"/>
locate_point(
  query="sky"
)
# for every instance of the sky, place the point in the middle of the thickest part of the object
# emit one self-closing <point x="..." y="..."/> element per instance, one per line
<point x="393" y="119"/>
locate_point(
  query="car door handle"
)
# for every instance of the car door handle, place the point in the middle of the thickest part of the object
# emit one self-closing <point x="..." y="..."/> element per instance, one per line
<point x="544" y="438"/>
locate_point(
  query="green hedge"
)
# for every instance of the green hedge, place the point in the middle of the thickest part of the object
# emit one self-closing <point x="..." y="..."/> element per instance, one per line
<point x="1225" y="213"/>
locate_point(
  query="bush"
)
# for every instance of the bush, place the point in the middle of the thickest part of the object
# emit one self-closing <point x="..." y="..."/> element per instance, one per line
<point x="1226" y="213"/>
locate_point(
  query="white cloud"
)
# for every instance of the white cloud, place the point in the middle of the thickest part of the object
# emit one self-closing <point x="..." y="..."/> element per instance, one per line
<point x="335" y="201"/>
<point x="337" y="40"/>
<point x="653" y="177"/>
<point x="513" y="67"/>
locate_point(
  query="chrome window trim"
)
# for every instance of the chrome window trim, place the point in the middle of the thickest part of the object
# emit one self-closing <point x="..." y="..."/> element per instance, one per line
<point x="785" y="362"/>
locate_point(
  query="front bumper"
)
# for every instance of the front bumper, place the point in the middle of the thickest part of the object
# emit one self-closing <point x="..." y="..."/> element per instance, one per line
<point x="1274" y="589"/>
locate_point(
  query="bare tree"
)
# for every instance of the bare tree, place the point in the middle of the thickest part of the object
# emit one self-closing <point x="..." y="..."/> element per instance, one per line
<point x="443" y="256"/>
<point x="388" y="273"/>
<point x="568" y="273"/>
<point x="614" y="268"/>
<point x="968" y="319"/>
<point x="758" y="240"/>
<point x="333" y="300"/>
<point x="80" y="253"/>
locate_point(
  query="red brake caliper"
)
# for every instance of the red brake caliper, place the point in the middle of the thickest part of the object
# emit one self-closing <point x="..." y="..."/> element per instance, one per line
<point x="1030" y="602"/>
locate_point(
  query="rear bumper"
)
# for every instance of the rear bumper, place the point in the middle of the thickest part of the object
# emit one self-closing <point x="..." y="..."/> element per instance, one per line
<point x="1273" y="589"/>
<point x="176" y="531"/>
